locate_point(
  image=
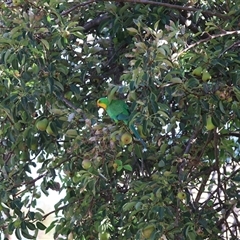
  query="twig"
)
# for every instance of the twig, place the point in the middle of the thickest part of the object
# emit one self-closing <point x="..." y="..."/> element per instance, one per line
<point x="28" y="183"/>
<point x="210" y="196"/>
<point x="58" y="209"/>
<point x="70" y="105"/>
<point x="202" y="187"/>
<point x="209" y="139"/>
<point x="77" y="6"/>
<point x="191" y="141"/>
<point x="217" y="162"/>
<point x="226" y="214"/>
<point x="208" y="39"/>
<point x="235" y="134"/>
<point x="225" y="50"/>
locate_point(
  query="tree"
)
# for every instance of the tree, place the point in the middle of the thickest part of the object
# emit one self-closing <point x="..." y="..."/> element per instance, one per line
<point x="177" y="66"/>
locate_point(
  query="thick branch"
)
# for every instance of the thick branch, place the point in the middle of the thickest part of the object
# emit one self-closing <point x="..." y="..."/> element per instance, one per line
<point x="95" y="22"/>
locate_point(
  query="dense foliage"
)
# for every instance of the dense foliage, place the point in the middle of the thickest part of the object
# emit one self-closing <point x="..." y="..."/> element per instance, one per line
<point x="176" y="63"/>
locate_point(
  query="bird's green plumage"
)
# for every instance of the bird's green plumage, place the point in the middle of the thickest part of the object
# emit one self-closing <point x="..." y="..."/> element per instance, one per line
<point x="118" y="111"/>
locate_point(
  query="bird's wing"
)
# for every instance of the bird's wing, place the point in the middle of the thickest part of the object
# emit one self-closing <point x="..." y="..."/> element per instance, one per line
<point x="118" y="110"/>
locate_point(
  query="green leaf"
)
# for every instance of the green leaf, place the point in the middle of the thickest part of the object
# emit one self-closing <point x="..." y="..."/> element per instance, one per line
<point x="163" y="114"/>
<point x="45" y="44"/>
<point x="38" y="216"/>
<point x="216" y="120"/>
<point x="176" y="80"/>
<point x="192" y="82"/>
<point x="138" y="151"/>
<point x="118" y="162"/>
<point x="237" y="93"/>
<point x="236" y="178"/>
<point x="127" y="167"/>
<point x="18" y="234"/>
<point x="119" y="168"/>
<point x="26" y="234"/>
<point x="128" y="206"/>
<point x="40" y="226"/>
<point x="30" y="226"/>
<point x="132" y="30"/>
<point x="138" y="205"/>
<point x="161" y="164"/>
<point x="141" y="45"/>
<point x="220" y="104"/>
<point x="51" y="226"/>
<point x="6" y="55"/>
<point x="17" y="223"/>
<point x="197" y="15"/>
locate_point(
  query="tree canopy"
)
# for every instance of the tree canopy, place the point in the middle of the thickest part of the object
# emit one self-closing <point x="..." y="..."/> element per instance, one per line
<point x="175" y="63"/>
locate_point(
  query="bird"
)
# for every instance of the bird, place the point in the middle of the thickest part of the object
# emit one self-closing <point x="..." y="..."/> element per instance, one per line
<point x="118" y="110"/>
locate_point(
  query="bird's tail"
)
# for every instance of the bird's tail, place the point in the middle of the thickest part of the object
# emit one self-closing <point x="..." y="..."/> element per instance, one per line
<point x="137" y="135"/>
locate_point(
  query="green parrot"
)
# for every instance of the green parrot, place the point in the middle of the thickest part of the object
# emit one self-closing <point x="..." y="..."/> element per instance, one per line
<point x="118" y="110"/>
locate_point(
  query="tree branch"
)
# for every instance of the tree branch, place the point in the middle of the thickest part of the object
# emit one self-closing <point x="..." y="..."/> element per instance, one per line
<point x="58" y="209"/>
<point x="225" y="50"/>
<point x="208" y="39"/>
<point x="231" y="134"/>
<point x="191" y="141"/>
<point x="168" y="5"/>
<point x="77" y="6"/>
<point x="202" y="187"/>
<point x="95" y="22"/>
<point x="173" y="6"/>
